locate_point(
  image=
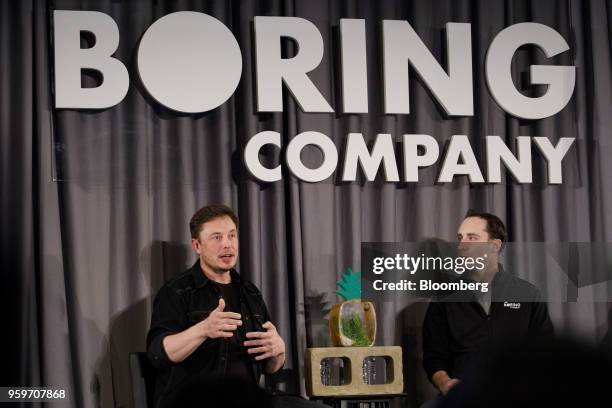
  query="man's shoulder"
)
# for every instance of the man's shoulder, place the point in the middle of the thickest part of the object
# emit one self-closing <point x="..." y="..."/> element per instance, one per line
<point x="522" y="283"/>
<point x="180" y="282"/>
<point x="516" y="288"/>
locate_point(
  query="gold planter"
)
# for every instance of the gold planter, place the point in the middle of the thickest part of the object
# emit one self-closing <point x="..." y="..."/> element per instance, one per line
<point x="352" y="323"/>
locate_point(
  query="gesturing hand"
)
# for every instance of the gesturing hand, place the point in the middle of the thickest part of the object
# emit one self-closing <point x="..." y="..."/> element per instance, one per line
<point x="269" y="343"/>
<point x="448" y="385"/>
<point x="220" y="323"/>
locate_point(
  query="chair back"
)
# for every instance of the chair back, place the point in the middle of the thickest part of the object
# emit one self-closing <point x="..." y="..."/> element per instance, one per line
<point x="142" y="373"/>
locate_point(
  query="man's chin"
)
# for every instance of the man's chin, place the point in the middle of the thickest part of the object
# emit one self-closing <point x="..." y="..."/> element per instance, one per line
<point x="225" y="268"/>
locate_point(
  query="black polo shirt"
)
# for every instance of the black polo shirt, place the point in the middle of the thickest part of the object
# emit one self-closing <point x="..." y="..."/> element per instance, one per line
<point x="188" y="299"/>
<point x="459" y="336"/>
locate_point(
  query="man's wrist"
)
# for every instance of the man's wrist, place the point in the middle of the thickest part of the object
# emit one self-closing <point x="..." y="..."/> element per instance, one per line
<point x="275" y="363"/>
<point x="200" y="331"/>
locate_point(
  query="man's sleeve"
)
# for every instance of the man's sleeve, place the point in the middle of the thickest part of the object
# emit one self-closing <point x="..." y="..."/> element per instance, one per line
<point x="436" y="353"/>
<point x="540" y="325"/>
<point x="169" y="317"/>
<point x="266" y="314"/>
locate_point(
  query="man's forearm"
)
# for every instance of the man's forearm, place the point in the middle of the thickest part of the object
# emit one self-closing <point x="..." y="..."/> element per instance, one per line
<point x="179" y="346"/>
<point x="273" y="364"/>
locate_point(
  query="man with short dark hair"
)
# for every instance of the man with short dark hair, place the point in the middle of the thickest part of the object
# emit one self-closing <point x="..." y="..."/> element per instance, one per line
<point x="209" y="322"/>
<point x="459" y="336"/>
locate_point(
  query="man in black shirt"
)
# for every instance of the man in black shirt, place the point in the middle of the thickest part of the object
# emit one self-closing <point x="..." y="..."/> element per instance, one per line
<point x="208" y="322"/>
<point x="461" y="336"/>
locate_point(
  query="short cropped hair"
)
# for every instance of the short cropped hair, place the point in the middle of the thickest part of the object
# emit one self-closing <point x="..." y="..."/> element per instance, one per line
<point x="495" y="226"/>
<point x="209" y="213"/>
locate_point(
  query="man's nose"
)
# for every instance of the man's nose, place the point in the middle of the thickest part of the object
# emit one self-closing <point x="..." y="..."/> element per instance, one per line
<point x="226" y="242"/>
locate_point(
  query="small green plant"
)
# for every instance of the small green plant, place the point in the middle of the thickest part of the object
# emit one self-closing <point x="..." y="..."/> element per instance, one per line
<point x="352" y="327"/>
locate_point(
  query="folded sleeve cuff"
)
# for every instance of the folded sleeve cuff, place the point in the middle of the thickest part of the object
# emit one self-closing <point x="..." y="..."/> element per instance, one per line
<point x="156" y="352"/>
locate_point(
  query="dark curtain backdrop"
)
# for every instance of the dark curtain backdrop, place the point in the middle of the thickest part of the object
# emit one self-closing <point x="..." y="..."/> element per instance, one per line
<point x="95" y="204"/>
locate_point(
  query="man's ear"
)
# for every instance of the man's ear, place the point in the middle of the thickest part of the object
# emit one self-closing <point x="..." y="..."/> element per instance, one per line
<point x="497" y="243"/>
<point x="195" y="244"/>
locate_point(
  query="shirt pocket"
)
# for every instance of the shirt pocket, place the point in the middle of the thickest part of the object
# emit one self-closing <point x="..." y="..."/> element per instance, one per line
<point x="258" y="321"/>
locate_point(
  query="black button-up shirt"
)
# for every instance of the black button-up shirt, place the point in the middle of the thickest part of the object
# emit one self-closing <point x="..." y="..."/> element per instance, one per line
<point x="184" y="301"/>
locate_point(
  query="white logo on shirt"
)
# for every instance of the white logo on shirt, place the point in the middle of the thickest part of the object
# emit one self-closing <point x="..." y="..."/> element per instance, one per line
<point x="512" y="305"/>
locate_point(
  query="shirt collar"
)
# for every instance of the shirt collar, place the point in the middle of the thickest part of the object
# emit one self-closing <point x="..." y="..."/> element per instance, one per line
<point x="202" y="280"/>
<point x="499" y="277"/>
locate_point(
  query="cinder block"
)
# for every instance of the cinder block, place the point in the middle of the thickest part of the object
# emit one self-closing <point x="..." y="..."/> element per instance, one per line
<point x="356" y="356"/>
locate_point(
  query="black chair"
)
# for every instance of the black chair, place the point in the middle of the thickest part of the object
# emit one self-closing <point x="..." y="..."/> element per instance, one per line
<point x="143" y="380"/>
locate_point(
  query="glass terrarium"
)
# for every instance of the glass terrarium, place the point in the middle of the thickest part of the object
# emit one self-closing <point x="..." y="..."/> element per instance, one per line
<point x="352" y="322"/>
